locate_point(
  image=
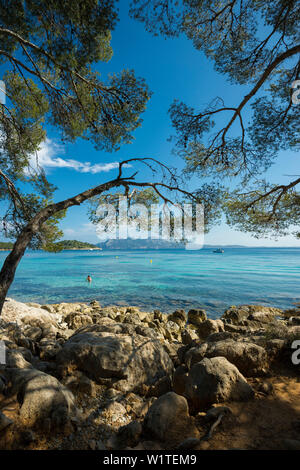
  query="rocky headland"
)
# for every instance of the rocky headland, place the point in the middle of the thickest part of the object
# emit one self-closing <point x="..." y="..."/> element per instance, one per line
<point x="80" y="376"/>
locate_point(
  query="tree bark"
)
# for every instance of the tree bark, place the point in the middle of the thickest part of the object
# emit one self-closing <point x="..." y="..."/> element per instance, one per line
<point x="12" y="261"/>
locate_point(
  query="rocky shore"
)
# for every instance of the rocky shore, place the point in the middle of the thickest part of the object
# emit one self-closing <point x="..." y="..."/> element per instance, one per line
<point x="80" y="376"/>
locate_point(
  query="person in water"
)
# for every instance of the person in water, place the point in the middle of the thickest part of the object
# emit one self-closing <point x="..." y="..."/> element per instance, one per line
<point x="89" y="279"/>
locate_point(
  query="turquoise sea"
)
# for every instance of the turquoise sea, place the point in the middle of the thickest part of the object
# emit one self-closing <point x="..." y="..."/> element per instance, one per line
<point x="174" y="279"/>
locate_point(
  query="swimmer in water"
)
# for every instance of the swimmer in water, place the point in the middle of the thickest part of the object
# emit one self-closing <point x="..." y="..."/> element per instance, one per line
<point x="89" y="279"/>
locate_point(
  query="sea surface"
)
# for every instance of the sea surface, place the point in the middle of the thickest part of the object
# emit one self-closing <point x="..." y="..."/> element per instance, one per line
<point x="174" y="278"/>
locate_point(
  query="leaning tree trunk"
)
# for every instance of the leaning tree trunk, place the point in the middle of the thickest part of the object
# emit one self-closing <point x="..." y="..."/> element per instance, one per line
<point x="10" y="265"/>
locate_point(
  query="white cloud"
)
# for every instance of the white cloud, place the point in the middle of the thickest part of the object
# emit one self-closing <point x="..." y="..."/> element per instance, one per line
<point x="69" y="231"/>
<point x="84" y="232"/>
<point x="47" y="159"/>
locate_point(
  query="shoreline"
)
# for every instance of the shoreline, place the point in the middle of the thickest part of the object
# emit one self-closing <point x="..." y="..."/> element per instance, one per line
<point x="214" y="311"/>
<point x="106" y="378"/>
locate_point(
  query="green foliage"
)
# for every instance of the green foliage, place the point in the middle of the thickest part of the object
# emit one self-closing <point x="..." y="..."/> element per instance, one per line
<point x="49" y="50"/>
<point x="48" y="233"/>
<point x="74" y="33"/>
<point x="6" y="245"/>
<point x="267" y="208"/>
<point x="254" y="43"/>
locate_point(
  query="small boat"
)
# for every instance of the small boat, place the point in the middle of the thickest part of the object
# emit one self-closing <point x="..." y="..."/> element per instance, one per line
<point x="218" y="250"/>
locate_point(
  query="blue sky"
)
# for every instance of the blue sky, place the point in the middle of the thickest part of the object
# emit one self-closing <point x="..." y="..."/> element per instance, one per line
<point x="172" y="69"/>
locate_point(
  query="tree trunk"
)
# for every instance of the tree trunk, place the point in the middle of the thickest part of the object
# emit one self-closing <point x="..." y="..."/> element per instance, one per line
<point x="10" y="265"/>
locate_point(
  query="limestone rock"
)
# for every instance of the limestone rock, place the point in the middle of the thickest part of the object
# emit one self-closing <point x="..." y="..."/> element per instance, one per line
<point x="294" y="321"/>
<point x="108" y="325"/>
<point x="240" y="314"/>
<point x="179" y="317"/>
<point x="95" y="304"/>
<point x="78" y="382"/>
<point x="196" y="316"/>
<point x="215" y="380"/>
<point x="168" y="419"/>
<point x="48" y="349"/>
<point x="180" y="380"/>
<point x="207" y="327"/>
<point x="4" y="421"/>
<point x="77" y="320"/>
<point x="14" y="311"/>
<point x="42" y="397"/>
<point x="34" y="333"/>
<point x="16" y="360"/>
<point x="161" y="386"/>
<point x="129" y="435"/>
<point x="223" y="335"/>
<point x="158" y="315"/>
<point x="128" y="361"/>
<point x="114" y="413"/>
<point x="172" y="331"/>
<point x="249" y="358"/>
<point x="188" y="336"/>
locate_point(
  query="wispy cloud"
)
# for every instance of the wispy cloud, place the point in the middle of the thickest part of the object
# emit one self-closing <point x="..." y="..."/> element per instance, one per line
<point x="85" y="232"/>
<point x="47" y="158"/>
<point x="87" y="228"/>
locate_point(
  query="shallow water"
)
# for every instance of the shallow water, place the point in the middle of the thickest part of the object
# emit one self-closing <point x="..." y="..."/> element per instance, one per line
<point x="174" y="279"/>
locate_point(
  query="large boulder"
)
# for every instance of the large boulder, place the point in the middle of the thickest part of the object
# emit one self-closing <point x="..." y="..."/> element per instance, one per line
<point x="48" y="349"/>
<point x="179" y="317"/>
<point x="108" y="325"/>
<point x="291" y="312"/>
<point x="196" y="316"/>
<point x="129" y="435"/>
<point x="148" y="332"/>
<point x="44" y="401"/>
<point x="215" y="380"/>
<point x="65" y="308"/>
<point x="125" y="361"/>
<point x="247" y="314"/>
<point x="4" y="421"/>
<point x="76" y="320"/>
<point x="180" y="379"/>
<point x="208" y="327"/>
<point x="249" y="358"/>
<point x="294" y="321"/>
<point x="16" y="359"/>
<point x="189" y="335"/>
<point x="9" y="332"/>
<point x="172" y="331"/>
<point x="168" y="419"/>
<point x="34" y="333"/>
<point x="21" y="313"/>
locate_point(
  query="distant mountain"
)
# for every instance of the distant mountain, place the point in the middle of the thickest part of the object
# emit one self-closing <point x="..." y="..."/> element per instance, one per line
<point x="148" y="244"/>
